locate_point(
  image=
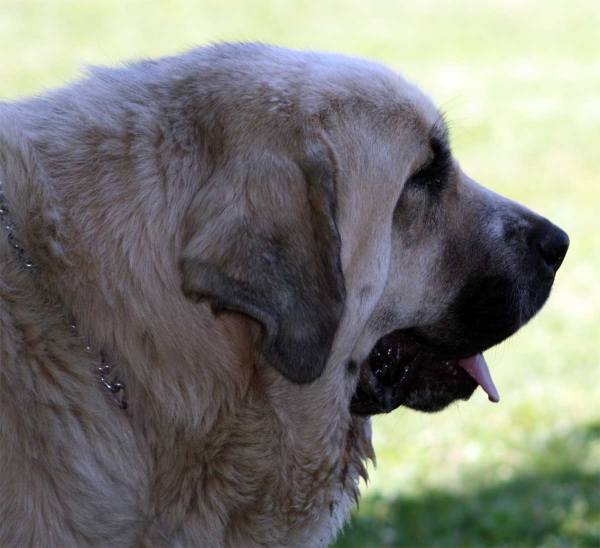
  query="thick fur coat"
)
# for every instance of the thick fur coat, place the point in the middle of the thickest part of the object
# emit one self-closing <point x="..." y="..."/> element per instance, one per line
<point x="233" y="230"/>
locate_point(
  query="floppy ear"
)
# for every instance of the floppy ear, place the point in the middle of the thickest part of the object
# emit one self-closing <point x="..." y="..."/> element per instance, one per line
<point x="262" y="241"/>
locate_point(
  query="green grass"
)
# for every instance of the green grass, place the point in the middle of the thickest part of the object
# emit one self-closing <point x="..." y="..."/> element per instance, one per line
<point x="551" y="503"/>
<point x="520" y="84"/>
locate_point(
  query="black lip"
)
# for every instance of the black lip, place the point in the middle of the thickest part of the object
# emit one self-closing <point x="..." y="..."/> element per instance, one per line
<point x="382" y="391"/>
<point x="453" y="351"/>
<point x="399" y="367"/>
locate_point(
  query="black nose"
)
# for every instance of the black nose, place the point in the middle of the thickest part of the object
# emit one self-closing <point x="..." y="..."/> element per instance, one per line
<point x="553" y="245"/>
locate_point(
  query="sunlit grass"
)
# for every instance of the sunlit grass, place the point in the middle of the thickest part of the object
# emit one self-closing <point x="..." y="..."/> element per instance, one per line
<point x="519" y="83"/>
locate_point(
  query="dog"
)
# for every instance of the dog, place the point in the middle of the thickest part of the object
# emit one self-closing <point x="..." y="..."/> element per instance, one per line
<point x="215" y="268"/>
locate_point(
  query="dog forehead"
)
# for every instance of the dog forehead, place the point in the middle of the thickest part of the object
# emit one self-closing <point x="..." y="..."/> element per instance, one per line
<point x="274" y="94"/>
<point x="370" y="98"/>
<point x="251" y="73"/>
<point x="394" y="106"/>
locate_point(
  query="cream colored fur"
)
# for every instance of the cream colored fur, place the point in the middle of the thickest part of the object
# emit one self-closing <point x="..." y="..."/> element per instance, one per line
<point x="107" y="180"/>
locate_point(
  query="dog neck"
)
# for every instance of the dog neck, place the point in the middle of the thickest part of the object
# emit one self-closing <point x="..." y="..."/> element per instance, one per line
<point x="103" y="369"/>
<point x="114" y="269"/>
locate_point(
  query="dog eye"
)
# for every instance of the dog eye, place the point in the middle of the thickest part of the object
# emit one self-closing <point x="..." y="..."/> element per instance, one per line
<point x="422" y="170"/>
<point x="427" y="176"/>
<point x="433" y="174"/>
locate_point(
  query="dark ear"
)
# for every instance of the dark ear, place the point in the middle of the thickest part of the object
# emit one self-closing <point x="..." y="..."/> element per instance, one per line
<point x="264" y="243"/>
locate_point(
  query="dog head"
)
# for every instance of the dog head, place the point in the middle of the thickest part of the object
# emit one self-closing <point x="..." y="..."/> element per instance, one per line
<point x="438" y="268"/>
<point x="350" y="203"/>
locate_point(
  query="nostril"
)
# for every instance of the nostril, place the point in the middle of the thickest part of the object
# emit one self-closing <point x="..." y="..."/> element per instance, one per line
<point x="553" y="247"/>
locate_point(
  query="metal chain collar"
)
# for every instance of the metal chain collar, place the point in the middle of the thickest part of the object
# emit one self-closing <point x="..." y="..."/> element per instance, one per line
<point x="114" y="386"/>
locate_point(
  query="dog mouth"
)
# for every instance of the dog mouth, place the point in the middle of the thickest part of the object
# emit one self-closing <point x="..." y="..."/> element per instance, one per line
<point x="403" y="371"/>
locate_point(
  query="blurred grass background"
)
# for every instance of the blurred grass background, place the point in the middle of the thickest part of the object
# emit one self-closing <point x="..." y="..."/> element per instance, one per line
<point x="520" y="83"/>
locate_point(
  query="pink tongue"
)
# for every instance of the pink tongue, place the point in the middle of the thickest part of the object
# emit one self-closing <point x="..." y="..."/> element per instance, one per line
<point x="478" y="369"/>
